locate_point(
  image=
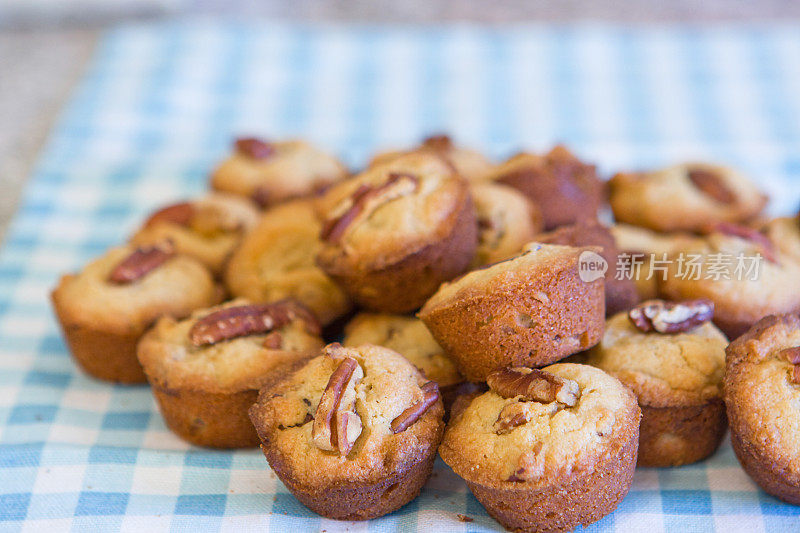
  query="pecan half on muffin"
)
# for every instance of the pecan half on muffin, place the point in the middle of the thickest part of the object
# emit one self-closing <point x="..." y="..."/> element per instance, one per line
<point x="394" y="233"/>
<point x="673" y="358"/>
<point x="686" y="197"/>
<point x="738" y="268"/>
<point x="208" y="228"/>
<point x="469" y="164"/>
<point x="277" y="260"/>
<point x="273" y="172"/>
<point x="206" y="371"/>
<point x="621" y="293"/>
<point x="531" y="310"/>
<point x="549" y="449"/>
<point x="507" y="221"/>
<point x="565" y="188"/>
<point x="352" y="434"/>
<point x="409" y="337"/>
<point x="762" y="392"/>
<point x="104" y="309"/>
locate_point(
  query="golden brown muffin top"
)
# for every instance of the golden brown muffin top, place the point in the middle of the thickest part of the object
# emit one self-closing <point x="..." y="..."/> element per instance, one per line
<point x="686" y="196"/>
<point x="270" y="172"/>
<point x="663" y="369"/>
<point x="639" y="240"/>
<point x="762" y="390"/>
<point x="507" y="220"/>
<point x="367" y="394"/>
<point x="391" y="211"/>
<point x="166" y="284"/>
<point x="207" y="228"/>
<point x="540" y="426"/>
<point x="230" y="347"/>
<point x="278" y="260"/>
<point x="469" y="164"/>
<point x="407" y="336"/>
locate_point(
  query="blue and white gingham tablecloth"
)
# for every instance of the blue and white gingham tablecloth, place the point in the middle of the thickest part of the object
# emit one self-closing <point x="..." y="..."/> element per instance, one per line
<point x="160" y="104"/>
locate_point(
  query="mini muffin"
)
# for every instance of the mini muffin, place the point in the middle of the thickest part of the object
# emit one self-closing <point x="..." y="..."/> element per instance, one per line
<point x="394" y="233"/>
<point x="565" y="188"/>
<point x="686" y="197"/>
<point x="409" y="337"/>
<point x="206" y="371"/>
<point x="762" y="392"/>
<point x="621" y="293"/>
<point x="507" y="220"/>
<point x="469" y="164"/>
<point x="208" y="229"/>
<point x="549" y="449"/>
<point x="531" y="310"/>
<point x="104" y="309"/>
<point x="352" y="434"/>
<point x="739" y="269"/>
<point x="641" y="252"/>
<point x="673" y="358"/>
<point x="273" y="172"/>
<point x="277" y="260"/>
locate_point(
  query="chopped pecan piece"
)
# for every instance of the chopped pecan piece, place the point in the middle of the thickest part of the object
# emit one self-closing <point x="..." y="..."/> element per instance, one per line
<point x="671" y="317"/>
<point x="791" y="354"/>
<point x="711" y="184"/>
<point x="530" y="465"/>
<point x="512" y="416"/>
<point x="333" y="429"/>
<point x="438" y="143"/>
<point x="430" y="394"/>
<point x="240" y="321"/>
<point x="534" y="385"/>
<point x="763" y="242"/>
<point x="254" y="148"/>
<point x="180" y="214"/>
<point x="796" y="374"/>
<point x="273" y="341"/>
<point x="141" y="262"/>
<point x="365" y="199"/>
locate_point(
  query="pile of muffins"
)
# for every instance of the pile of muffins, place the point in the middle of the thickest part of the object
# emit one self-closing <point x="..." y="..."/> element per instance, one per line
<point x="355" y="325"/>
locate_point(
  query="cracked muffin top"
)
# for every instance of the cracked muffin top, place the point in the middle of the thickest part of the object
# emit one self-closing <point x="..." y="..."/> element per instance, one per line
<point x="407" y="336"/>
<point x="507" y="220"/>
<point x="355" y="414"/>
<point x="391" y="211"/>
<point x="277" y="260"/>
<point x="207" y="228"/>
<point x="230" y="347"/>
<point x="685" y="197"/>
<point x="540" y="426"/>
<point x="681" y="366"/>
<point x="469" y="164"/>
<point x="272" y="172"/>
<point x="129" y="287"/>
<point x="762" y="391"/>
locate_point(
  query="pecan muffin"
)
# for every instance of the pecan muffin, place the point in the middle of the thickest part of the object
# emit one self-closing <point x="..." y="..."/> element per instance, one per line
<point x="641" y="252"/>
<point x="352" y="434"/>
<point x="738" y="268"/>
<point x="273" y="172"/>
<point x="104" y="309"/>
<point x="208" y="229"/>
<point x="530" y="310"/>
<point x="621" y="293"/>
<point x="673" y="358"/>
<point x="394" y="233"/>
<point x="507" y="220"/>
<point x="686" y="197"/>
<point x="205" y="371"/>
<point x="469" y="164"/>
<point x="762" y="392"/>
<point x="277" y="260"/>
<point x="409" y="337"/>
<point x="549" y="449"/>
<point x="565" y="189"/>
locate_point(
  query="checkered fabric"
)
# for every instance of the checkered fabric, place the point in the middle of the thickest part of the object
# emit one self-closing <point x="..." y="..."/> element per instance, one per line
<point x="160" y="104"/>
